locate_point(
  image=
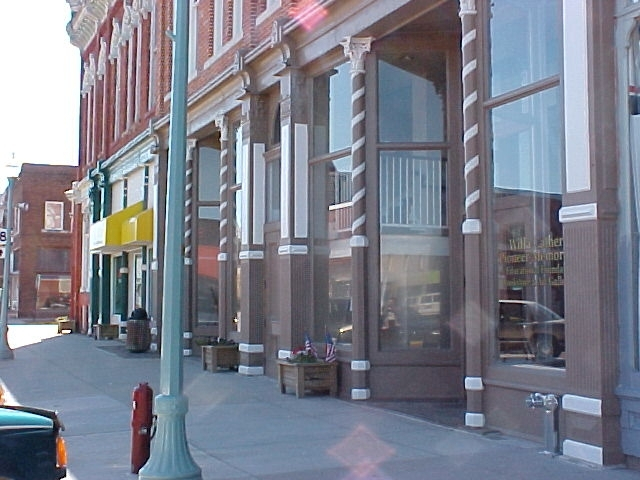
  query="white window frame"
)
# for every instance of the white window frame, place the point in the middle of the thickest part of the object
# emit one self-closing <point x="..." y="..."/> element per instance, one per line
<point x="272" y="6"/>
<point x="51" y="222"/>
<point x="193" y="39"/>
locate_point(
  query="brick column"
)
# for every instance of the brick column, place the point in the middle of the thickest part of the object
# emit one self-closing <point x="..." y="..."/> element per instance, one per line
<point x="355" y="49"/>
<point x="252" y="274"/>
<point x="296" y="285"/>
<point x="472" y="227"/>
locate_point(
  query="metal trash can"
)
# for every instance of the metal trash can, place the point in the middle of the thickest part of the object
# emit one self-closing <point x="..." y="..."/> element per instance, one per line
<point x="138" y="331"/>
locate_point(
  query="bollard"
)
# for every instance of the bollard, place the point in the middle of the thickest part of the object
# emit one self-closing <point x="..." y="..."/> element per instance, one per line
<point x="549" y="402"/>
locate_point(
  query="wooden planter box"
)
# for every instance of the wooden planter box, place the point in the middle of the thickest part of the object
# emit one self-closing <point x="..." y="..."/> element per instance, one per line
<point x="106" y="331"/>
<point x="65" y="324"/>
<point x="219" y="356"/>
<point x="315" y="377"/>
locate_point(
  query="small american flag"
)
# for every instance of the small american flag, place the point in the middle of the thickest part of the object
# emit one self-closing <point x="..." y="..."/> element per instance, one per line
<point x="331" y="349"/>
<point x="309" y="346"/>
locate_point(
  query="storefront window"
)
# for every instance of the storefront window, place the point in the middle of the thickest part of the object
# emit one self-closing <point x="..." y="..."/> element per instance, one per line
<point x="208" y="235"/>
<point x="411" y="96"/>
<point x="332" y="253"/>
<point x="634" y="134"/>
<point x="331" y="206"/>
<point x="236" y="226"/>
<point x="412" y="173"/>
<point x="528" y="175"/>
<point x="414" y="251"/>
<point x="53" y="292"/>
<point x="332" y="110"/>
<point x="525" y="43"/>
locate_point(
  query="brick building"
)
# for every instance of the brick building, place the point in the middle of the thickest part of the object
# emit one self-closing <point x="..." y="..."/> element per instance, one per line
<point x="419" y="179"/>
<point x="40" y="269"/>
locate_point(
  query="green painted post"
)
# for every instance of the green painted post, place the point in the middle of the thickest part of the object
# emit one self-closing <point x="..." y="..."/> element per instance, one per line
<point x="170" y="457"/>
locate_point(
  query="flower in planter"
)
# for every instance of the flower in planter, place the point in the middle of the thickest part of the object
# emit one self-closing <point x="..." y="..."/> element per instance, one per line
<point x="222" y="341"/>
<point x="306" y="354"/>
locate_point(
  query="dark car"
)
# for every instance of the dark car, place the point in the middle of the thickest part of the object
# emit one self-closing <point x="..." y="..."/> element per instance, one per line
<point x="31" y="447"/>
<point x="531" y="328"/>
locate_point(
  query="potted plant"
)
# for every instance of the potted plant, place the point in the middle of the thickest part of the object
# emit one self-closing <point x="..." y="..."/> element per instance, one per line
<point x="304" y="371"/>
<point x="219" y="353"/>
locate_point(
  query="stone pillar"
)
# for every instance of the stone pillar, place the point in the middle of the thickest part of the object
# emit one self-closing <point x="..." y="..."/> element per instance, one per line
<point x="355" y="49"/>
<point x="252" y="276"/>
<point x="188" y="317"/>
<point x="472" y="227"/>
<point x="224" y="293"/>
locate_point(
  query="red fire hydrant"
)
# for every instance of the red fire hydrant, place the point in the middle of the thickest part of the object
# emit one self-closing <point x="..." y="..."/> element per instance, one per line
<point x="141" y="425"/>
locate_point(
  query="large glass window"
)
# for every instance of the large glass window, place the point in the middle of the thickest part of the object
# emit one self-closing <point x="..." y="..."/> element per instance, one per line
<point x="525" y="43"/>
<point x="414" y="250"/>
<point x="414" y="287"/>
<point x="236" y="223"/>
<point x="208" y="232"/>
<point x="332" y="111"/>
<point x="331" y="205"/>
<point x="526" y="132"/>
<point x="634" y="133"/>
<point x="411" y="100"/>
<point x="53" y="292"/>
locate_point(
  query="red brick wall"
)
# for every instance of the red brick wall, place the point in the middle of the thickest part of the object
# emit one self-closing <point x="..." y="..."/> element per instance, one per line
<point x="35" y="185"/>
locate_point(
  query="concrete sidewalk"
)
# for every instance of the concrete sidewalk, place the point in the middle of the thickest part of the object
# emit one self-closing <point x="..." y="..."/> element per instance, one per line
<point x="242" y="427"/>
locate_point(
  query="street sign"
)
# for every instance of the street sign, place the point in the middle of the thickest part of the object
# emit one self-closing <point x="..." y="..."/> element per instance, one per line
<point x="2" y="249"/>
<point x="3" y="237"/>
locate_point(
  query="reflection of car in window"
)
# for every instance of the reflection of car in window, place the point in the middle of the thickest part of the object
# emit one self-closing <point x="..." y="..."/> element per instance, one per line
<point x="425" y="304"/>
<point x="530" y="327"/>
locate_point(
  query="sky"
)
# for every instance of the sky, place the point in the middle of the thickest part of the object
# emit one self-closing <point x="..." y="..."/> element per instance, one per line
<point x="39" y="86"/>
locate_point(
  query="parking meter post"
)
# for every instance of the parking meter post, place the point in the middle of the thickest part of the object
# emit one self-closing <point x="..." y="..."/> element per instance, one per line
<point x="549" y="402"/>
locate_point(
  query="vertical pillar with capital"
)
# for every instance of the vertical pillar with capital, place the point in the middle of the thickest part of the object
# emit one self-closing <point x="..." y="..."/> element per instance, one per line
<point x="188" y="317"/>
<point x="471" y="227"/>
<point x="224" y="294"/>
<point x="296" y="285"/>
<point x="252" y="268"/>
<point x="356" y="48"/>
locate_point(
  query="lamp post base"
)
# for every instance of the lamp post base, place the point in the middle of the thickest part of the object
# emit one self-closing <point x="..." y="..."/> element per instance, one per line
<point x="5" y="350"/>
<point x="170" y="458"/>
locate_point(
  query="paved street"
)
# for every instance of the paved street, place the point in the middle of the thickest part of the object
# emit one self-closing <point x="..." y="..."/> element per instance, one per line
<point x="241" y="427"/>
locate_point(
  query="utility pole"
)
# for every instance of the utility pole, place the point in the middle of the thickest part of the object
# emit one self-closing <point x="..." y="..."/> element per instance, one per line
<point x="5" y="350"/>
<point x="170" y="457"/>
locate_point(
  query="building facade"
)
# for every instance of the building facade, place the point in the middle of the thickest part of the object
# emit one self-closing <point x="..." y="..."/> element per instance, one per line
<point x="40" y="259"/>
<point x="115" y="195"/>
<point x="444" y="187"/>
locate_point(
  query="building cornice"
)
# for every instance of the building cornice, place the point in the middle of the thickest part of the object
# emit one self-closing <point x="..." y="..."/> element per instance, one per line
<point x="88" y="15"/>
<point x="86" y="18"/>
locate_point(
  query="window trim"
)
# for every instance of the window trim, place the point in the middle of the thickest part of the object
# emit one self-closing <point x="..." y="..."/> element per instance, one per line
<point x="58" y="226"/>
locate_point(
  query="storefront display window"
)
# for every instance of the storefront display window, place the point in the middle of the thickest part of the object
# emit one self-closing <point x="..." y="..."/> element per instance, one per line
<point x="414" y="251"/>
<point x="528" y="176"/>
<point x="634" y="133"/>
<point x="412" y="172"/>
<point x="236" y="224"/>
<point x="52" y="291"/>
<point x="208" y="235"/>
<point x="331" y="206"/>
